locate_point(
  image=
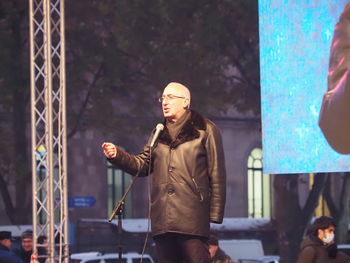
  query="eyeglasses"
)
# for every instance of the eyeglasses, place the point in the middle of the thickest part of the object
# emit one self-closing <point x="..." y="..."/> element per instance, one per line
<point x="169" y="97"/>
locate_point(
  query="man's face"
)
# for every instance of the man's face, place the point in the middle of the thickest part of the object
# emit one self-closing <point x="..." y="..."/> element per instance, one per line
<point x="6" y="242"/>
<point x="27" y="244"/>
<point x="175" y="102"/>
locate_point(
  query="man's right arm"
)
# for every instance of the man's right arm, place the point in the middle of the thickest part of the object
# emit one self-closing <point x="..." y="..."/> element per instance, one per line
<point x="129" y="163"/>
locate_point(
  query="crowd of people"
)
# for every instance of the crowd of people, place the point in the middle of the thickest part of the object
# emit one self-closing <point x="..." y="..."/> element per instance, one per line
<point x="318" y="246"/>
<point x="22" y="254"/>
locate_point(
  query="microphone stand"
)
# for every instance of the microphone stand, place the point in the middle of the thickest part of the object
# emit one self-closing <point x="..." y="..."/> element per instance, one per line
<point x="119" y="206"/>
<point x="118" y="210"/>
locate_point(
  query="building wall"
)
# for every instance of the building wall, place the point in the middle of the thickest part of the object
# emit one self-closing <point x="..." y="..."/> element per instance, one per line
<point x="240" y="137"/>
<point x="87" y="174"/>
<point x="87" y="171"/>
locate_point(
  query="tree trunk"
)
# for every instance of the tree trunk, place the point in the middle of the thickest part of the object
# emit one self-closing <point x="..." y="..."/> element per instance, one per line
<point x="9" y="208"/>
<point x="20" y="94"/>
<point x="333" y="207"/>
<point x="344" y="215"/>
<point x="21" y="165"/>
<point x="287" y="214"/>
<point x="291" y="220"/>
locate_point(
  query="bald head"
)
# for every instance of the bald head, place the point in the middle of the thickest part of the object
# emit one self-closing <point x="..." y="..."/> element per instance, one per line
<point x="176" y="100"/>
<point x="178" y="89"/>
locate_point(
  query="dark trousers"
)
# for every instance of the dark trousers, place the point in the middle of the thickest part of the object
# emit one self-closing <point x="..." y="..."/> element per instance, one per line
<point x="178" y="248"/>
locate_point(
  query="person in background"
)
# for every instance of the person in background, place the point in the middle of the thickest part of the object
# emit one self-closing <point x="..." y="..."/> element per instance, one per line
<point x="217" y="255"/>
<point x="26" y="249"/>
<point x="319" y="245"/>
<point x="42" y="252"/>
<point x="6" y="255"/>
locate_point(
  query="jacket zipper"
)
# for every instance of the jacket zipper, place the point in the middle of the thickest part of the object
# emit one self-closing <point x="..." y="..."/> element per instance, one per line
<point x="197" y="188"/>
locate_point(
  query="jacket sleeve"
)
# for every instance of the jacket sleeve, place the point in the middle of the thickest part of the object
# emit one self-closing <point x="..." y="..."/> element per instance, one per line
<point x="334" y="119"/>
<point x="307" y="255"/>
<point x="217" y="173"/>
<point x="132" y="164"/>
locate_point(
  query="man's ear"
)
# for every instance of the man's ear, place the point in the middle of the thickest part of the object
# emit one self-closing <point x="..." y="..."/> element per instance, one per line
<point x="186" y="104"/>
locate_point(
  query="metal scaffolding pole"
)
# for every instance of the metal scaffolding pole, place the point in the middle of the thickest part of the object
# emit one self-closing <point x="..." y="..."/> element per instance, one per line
<point x="48" y="125"/>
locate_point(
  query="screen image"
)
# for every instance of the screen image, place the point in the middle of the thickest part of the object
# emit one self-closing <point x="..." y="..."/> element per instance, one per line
<point x="295" y="40"/>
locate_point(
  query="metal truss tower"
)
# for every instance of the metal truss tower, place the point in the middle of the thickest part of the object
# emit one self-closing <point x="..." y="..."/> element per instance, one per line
<point x="48" y="117"/>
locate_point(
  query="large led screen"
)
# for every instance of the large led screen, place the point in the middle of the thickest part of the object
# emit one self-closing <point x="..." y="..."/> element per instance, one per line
<point x="295" y="40"/>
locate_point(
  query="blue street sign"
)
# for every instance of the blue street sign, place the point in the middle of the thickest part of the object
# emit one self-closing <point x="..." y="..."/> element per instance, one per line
<point x="82" y="201"/>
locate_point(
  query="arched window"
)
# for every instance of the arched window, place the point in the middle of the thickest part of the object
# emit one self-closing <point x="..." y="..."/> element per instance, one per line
<point x="259" y="187"/>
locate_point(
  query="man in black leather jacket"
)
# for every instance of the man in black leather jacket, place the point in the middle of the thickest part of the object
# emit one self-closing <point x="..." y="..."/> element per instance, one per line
<point x="334" y="119"/>
<point x="188" y="178"/>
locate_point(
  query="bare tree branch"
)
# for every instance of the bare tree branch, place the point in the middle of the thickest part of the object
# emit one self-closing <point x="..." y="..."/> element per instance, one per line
<point x="312" y="200"/>
<point x="97" y="75"/>
<point x="344" y="215"/>
<point x="329" y="200"/>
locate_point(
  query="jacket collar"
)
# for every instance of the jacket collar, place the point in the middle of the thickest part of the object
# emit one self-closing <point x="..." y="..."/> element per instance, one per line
<point x="188" y="132"/>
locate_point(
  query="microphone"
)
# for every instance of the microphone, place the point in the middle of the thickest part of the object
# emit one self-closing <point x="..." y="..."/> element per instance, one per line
<point x="159" y="128"/>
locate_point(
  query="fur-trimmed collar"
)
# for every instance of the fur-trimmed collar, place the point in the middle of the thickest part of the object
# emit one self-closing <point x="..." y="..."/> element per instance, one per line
<point x="188" y="132"/>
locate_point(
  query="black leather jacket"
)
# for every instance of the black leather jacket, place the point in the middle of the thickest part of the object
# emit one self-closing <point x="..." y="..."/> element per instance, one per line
<point x="188" y="177"/>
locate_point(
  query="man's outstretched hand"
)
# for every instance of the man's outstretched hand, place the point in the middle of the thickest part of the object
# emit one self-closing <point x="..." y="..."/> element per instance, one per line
<point x="109" y="150"/>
